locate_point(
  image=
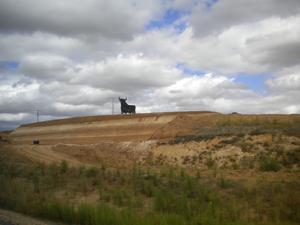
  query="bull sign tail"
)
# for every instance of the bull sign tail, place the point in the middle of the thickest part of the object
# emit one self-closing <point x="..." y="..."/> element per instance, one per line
<point x="125" y="108"/>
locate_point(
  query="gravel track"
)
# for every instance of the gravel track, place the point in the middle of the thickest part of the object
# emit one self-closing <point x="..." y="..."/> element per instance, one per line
<point x="12" y="218"/>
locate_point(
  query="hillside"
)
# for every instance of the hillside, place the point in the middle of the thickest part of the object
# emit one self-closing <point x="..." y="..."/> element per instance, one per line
<point x="116" y="128"/>
<point x="238" y="168"/>
<point x="190" y="139"/>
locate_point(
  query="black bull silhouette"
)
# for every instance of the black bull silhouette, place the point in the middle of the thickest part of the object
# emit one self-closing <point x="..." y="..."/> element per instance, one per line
<point x="125" y="108"/>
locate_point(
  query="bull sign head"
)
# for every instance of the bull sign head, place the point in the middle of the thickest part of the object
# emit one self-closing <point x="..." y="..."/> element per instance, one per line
<point x="125" y="108"/>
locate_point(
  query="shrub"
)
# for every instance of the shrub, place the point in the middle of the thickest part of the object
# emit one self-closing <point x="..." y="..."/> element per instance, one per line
<point x="223" y="182"/>
<point x="210" y="162"/>
<point x="290" y="158"/>
<point x="231" y="141"/>
<point x="64" y="165"/>
<point x="268" y="163"/>
<point x="235" y="166"/>
<point x="85" y="214"/>
<point x="41" y="166"/>
<point x="164" y="200"/>
<point x="149" y="189"/>
<point x="256" y="132"/>
<point x="92" y="171"/>
<point x="119" y="197"/>
<point x="294" y="156"/>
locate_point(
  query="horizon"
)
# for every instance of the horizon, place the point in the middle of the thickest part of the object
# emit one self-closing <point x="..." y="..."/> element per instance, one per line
<point x="137" y="114"/>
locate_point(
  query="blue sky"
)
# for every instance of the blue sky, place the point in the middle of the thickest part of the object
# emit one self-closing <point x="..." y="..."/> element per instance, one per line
<point x="225" y="56"/>
<point x="256" y="82"/>
<point x="209" y="4"/>
<point x="169" y="17"/>
<point x="9" y="64"/>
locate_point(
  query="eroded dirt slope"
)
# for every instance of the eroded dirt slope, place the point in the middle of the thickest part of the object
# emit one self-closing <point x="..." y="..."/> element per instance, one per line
<point x="96" y="129"/>
<point x="197" y="140"/>
<point x="116" y="141"/>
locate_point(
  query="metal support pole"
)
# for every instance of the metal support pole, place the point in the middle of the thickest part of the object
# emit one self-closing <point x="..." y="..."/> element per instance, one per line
<point x="37" y="115"/>
<point x="113" y="105"/>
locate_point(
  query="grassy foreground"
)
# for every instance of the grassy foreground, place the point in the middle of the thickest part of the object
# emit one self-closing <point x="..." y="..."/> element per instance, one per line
<point x="170" y="196"/>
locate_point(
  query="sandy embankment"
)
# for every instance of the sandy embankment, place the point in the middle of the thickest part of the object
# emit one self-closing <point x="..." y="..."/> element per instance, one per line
<point x="116" y="140"/>
<point x="96" y="129"/>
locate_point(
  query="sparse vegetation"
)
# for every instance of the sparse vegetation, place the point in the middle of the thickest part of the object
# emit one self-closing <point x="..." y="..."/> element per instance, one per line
<point x="188" y="138"/>
<point x="263" y="121"/>
<point x="256" y="132"/>
<point x="210" y="162"/>
<point x="235" y="166"/>
<point x="290" y="158"/>
<point x="169" y="197"/>
<point x="230" y="141"/>
<point x="268" y="163"/>
<point x="239" y="125"/>
<point x="193" y="187"/>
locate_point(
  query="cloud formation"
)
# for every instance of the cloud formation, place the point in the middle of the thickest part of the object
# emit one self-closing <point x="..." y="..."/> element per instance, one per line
<point x="72" y="58"/>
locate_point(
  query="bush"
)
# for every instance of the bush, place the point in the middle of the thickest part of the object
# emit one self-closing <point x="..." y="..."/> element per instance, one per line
<point x="92" y="171"/>
<point x="235" y="166"/>
<point x="231" y="141"/>
<point x="256" y="132"/>
<point x="64" y="165"/>
<point x="268" y="163"/>
<point x="210" y="162"/>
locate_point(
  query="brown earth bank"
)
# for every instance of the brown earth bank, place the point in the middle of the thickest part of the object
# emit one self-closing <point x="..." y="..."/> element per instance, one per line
<point x="238" y="144"/>
<point x="117" y="128"/>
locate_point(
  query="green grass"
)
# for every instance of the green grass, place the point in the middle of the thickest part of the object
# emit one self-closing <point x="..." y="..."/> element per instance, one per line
<point x="169" y="196"/>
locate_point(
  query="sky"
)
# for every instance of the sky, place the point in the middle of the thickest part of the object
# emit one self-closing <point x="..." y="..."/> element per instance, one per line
<point x="73" y="58"/>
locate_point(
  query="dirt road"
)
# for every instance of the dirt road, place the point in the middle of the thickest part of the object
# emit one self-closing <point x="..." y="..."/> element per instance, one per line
<point x="12" y="218"/>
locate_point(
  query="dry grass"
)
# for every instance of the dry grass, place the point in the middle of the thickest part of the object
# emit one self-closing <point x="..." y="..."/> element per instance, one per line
<point x="261" y="121"/>
<point x="168" y="196"/>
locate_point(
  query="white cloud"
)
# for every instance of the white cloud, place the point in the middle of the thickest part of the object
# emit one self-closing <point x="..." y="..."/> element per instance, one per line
<point x="127" y="74"/>
<point x="69" y="58"/>
<point x="251" y="47"/>
<point x="88" y="20"/>
<point x="277" y="45"/>
<point x="198" y="92"/>
<point x="44" y="66"/>
<point x="285" y="83"/>
<point x="227" y="13"/>
<point x="13" y="117"/>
